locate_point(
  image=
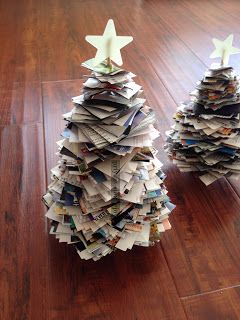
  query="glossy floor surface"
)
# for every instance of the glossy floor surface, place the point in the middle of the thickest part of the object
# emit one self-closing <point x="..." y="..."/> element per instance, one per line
<point x="194" y="273"/>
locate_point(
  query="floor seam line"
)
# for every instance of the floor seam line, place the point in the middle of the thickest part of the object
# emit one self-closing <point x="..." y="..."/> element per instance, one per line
<point x="209" y="292"/>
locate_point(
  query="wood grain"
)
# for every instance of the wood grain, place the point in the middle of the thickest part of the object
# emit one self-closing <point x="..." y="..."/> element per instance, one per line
<point x="21" y="104"/>
<point x="19" y="37"/>
<point x="23" y="251"/>
<point x="203" y="249"/>
<point x="194" y="273"/>
<point x="219" y="305"/>
<point x="131" y="285"/>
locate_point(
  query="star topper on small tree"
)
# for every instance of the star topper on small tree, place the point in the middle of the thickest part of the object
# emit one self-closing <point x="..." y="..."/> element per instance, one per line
<point x="108" y="45"/>
<point x="223" y="49"/>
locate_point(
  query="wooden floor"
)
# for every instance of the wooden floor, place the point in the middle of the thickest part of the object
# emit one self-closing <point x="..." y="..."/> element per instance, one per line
<point x="194" y="273"/>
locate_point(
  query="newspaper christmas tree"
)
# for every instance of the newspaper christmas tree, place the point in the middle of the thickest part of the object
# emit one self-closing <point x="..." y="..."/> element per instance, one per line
<point x="206" y="133"/>
<point x="107" y="189"/>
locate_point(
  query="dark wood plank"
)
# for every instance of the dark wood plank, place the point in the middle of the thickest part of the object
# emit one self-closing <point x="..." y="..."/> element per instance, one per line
<point x="131" y="285"/>
<point x="219" y="305"/>
<point x="176" y="65"/>
<point x="120" y="279"/>
<point x="23" y="250"/>
<point x="235" y="183"/>
<point x="21" y="103"/>
<point x="196" y="27"/>
<point x="56" y="101"/>
<point x="19" y="37"/>
<point x="203" y="249"/>
<point x="63" y="30"/>
<point x="229" y="7"/>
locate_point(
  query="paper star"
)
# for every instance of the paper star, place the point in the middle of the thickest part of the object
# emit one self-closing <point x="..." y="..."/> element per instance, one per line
<point x="224" y="49"/>
<point x="109" y="44"/>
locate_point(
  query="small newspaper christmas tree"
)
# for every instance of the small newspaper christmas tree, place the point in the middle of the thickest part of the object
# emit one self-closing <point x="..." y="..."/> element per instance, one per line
<point x="107" y="190"/>
<point x="206" y="133"/>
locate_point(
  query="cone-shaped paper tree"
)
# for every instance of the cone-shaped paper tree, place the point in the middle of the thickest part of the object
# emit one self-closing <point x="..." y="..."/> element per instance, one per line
<point x="206" y="133"/>
<point x="107" y="189"/>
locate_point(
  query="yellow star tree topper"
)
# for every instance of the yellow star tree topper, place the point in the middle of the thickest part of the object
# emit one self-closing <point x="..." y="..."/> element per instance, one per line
<point x="223" y="49"/>
<point x="108" y="45"/>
